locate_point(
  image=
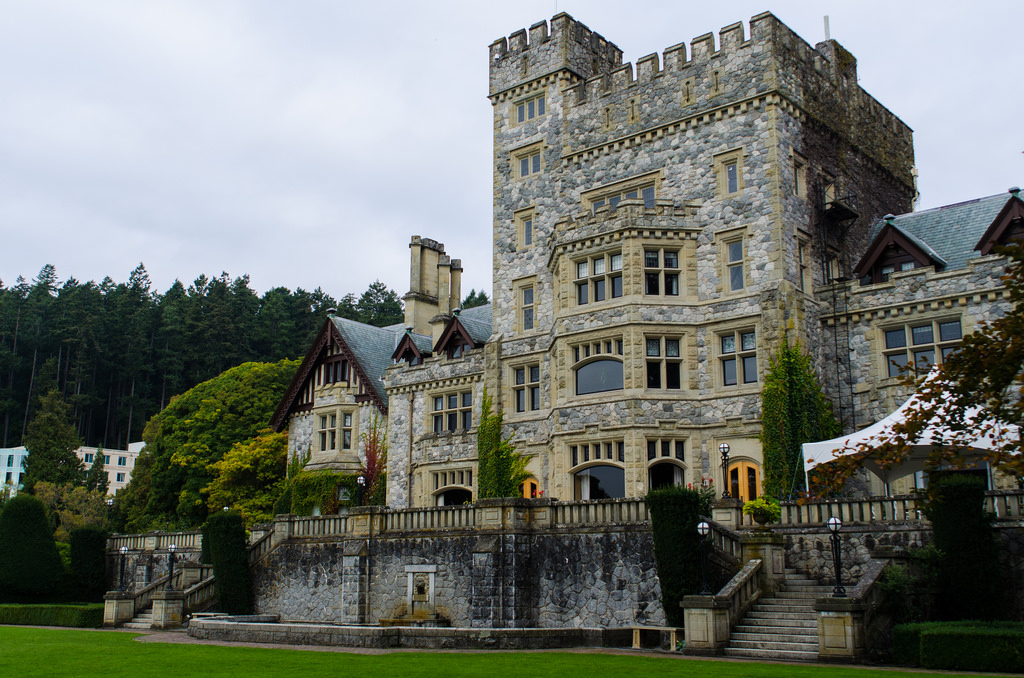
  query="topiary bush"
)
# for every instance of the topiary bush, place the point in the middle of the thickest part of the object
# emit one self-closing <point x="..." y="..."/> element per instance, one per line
<point x="675" y="512"/>
<point x="30" y="566"/>
<point x="225" y="532"/>
<point x="89" y="616"/>
<point x="89" y="563"/>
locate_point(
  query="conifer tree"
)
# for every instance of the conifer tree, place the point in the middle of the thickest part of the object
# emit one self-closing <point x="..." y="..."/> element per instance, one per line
<point x="30" y="566"/>
<point x="96" y="479"/>
<point x="51" y="441"/>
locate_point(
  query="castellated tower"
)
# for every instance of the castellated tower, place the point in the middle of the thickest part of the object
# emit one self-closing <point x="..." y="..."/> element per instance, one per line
<point x="659" y="229"/>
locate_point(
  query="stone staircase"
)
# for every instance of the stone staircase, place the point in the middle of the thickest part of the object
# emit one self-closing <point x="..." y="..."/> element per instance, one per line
<point x="142" y="621"/>
<point x="783" y="626"/>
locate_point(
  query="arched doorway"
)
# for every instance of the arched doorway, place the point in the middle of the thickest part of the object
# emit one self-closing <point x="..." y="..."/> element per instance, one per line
<point x="530" y="489"/>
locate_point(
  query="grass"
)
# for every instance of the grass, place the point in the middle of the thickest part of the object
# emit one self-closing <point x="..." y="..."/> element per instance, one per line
<point x="73" y="652"/>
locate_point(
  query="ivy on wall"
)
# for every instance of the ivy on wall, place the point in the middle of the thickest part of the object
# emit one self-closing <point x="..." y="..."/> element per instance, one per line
<point x="794" y="411"/>
<point x="500" y="469"/>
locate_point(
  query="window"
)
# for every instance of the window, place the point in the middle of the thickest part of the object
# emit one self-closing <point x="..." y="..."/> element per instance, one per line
<point x="458" y="477"/>
<point x="799" y="176"/>
<point x="328" y="431"/>
<point x="729" y="172"/>
<point x="458" y="347"/>
<point x="335" y="370"/>
<point x="666" y="449"/>
<point x="346" y="430"/>
<point x="922" y="344"/>
<point x="663" y="362"/>
<point x="453" y="411"/>
<point x="646" y="193"/>
<point x="599" y="278"/>
<point x="661" y="272"/>
<point x="665" y="459"/>
<point x="528" y="161"/>
<point x="529" y="109"/>
<point x="804" y="263"/>
<point x="120" y="477"/>
<point x="89" y="456"/>
<point x="524" y="229"/>
<point x="595" y="373"/>
<point x="526" y="307"/>
<point x="605" y="480"/>
<point x="688" y="96"/>
<point x="122" y="461"/>
<point x="106" y="459"/>
<point x="526" y="387"/>
<point x="734" y="265"/>
<point x="739" y="366"/>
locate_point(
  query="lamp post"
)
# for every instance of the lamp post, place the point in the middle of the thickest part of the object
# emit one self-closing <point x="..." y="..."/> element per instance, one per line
<point x="120" y="584"/>
<point x="703" y="529"/>
<point x="361" y="480"/>
<point x="834" y="524"/>
<point x="724" y="449"/>
<point x="170" y="567"/>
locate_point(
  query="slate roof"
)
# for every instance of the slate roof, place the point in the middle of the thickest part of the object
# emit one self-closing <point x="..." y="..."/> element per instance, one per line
<point x="478" y="321"/>
<point x="372" y="347"/>
<point x="949" y="233"/>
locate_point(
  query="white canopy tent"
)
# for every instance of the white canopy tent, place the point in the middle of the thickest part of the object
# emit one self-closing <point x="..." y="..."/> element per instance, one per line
<point x="882" y="431"/>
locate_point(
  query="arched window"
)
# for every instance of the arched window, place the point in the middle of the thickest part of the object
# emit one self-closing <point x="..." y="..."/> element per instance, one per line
<point x="600" y="482"/>
<point x="598" y="376"/>
<point x="454" y="497"/>
<point x="664" y="474"/>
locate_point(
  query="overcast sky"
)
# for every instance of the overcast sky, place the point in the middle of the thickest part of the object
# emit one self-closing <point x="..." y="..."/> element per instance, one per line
<point x="304" y="142"/>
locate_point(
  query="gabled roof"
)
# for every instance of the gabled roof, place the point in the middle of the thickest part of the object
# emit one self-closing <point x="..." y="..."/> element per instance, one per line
<point x="948" y="234"/>
<point x="478" y="321"/>
<point x="472" y="325"/>
<point x="1012" y="213"/>
<point x="368" y="350"/>
<point x="893" y="235"/>
<point x="419" y="343"/>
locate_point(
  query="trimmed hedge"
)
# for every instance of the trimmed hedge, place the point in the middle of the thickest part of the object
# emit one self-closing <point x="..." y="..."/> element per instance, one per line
<point x="88" y="616"/>
<point x="88" y="563"/>
<point x="31" y="570"/>
<point x="225" y="531"/>
<point x="675" y="512"/>
<point x="961" y="646"/>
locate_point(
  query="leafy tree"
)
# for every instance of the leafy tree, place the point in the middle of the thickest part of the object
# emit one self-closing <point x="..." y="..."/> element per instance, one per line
<point x="30" y="566"/>
<point x="379" y="306"/>
<point x="71" y="508"/>
<point x="194" y="432"/>
<point x="794" y="411"/>
<point x="500" y="469"/>
<point x="51" y="441"/>
<point x="975" y="391"/>
<point x="251" y="477"/>
<point x="475" y="298"/>
<point x="97" y="479"/>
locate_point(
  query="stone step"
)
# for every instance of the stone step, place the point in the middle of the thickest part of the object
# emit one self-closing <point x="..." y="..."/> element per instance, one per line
<point x="792" y="656"/>
<point x="777" y="607"/>
<point x="773" y="645"/>
<point x="773" y="616"/>
<point x="772" y="626"/>
<point x="766" y="638"/>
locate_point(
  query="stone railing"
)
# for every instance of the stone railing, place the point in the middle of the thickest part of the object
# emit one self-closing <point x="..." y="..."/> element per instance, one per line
<point x="599" y="512"/>
<point x="846" y="623"/>
<point x="261" y="547"/>
<point x="155" y="541"/>
<point x="200" y="594"/>
<point x="708" y="619"/>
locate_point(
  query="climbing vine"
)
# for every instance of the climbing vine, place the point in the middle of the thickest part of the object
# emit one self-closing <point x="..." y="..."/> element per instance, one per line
<point x="794" y="411"/>
<point x="500" y="469"/>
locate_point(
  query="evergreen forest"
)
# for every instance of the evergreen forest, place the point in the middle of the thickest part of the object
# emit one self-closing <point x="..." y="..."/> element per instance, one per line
<point x="118" y="352"/>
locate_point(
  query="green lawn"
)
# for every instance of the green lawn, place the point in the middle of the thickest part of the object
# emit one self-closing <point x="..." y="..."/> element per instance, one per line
<point x="75" y="652"/>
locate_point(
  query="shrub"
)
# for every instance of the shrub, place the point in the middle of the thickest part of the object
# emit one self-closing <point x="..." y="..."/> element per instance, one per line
<point x="763" y="509"/>
<point x="980" y="648"/>
<point x="225" y="531"/>
<point x="675" y="512"/>
<point x="89" y="616"/>
<point x="969" y="574"/>
<point x="89" y="562"/>
<point x="30" y="566"/>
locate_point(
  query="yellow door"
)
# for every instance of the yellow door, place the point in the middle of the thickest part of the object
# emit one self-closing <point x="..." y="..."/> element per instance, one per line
<point x="744" y="480"/>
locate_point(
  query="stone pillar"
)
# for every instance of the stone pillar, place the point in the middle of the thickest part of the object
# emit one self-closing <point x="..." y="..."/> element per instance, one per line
<point x="168" y="609"/>
<point x="118" y="607"/>
<point x="354" y="583"/>
<point x="770" y="549"/>
<point x="706" y="625"/>
<point x="726" y="512"/>
<point x="842" y="633"/>
<point x="485" y="601"/>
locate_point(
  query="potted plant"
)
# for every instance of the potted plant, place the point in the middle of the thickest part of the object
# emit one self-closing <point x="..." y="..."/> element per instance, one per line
<point x="763" y="510"/>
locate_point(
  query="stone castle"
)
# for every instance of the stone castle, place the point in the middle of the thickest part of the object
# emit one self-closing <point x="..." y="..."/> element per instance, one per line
<point x="659" y="230"/>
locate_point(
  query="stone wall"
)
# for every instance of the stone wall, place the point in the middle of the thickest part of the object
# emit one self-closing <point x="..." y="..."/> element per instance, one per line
<point x="549" y="578"/>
